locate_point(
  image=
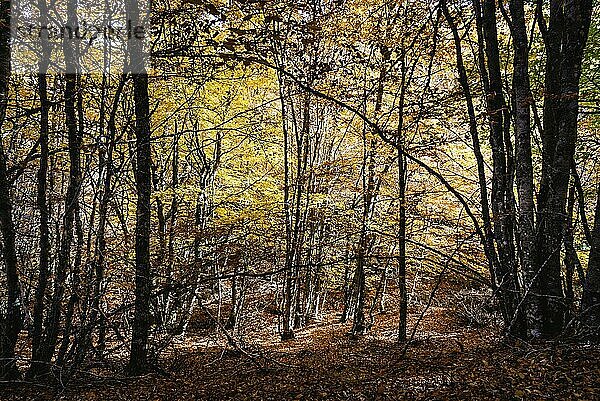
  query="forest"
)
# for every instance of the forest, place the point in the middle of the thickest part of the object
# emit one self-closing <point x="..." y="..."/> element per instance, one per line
<point x="299" y="199"/>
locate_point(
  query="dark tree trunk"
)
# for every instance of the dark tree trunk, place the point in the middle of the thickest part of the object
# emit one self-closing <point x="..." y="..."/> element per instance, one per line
<point x="524" y="166"/>
<point x="347" y="288"/>
<point x="501" y="174"/>
<point x="143" y="280"/>
<point x="402" y="178"/>
<point x="74" y="137"/>
<point x="11" y="322"/>
<point x="296" y="203"/>
<point x="362" y="255"/>
<point x="567" y="33"/>
<point x="71" y="200"/>
<point x="402" y="291"/>
<point x="138" y="358"/>
<point x="499" y="266"/>
<point x="287" y="331"/>
<point x="572" y="263"/>
<point x="96" y="317"/>
<point x="42" y="203"/>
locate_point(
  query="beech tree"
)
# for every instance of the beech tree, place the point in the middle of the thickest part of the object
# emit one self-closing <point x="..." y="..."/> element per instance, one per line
<point x="539" y="235"/>
<point x="138" y="358"/>
<point x="10" y="319"/>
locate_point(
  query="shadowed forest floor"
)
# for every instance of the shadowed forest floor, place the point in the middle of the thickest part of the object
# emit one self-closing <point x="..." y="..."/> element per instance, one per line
<point x="445" y="361"/>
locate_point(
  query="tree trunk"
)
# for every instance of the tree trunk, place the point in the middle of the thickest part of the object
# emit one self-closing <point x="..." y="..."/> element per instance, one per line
<point x="568" y="31"/>
<point x="42" y="203"/>
<point x="498" y="262"/>
<point x="74" y="133"/>
<point x="402" y="290"/>
<point x="524" y="165"/>
<point x="138" y="358"/>
<point x="358" y="325"/>
<point x="11" y="322"/>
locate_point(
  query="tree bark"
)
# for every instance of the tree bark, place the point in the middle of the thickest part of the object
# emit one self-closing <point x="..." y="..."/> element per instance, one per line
<point x="11" y="322"/>
<point x="138" y="358"/>
<point x="42" y="182"/>
<point x="524" y="165"/>
<point x="568" y="31"/>
<point x="494" y="109"/>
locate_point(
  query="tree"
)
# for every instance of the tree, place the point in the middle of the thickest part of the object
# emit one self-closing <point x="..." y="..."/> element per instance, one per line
<point x="11" y="319"/>
<point x="138" y="358"/>
<point x="540" y="237"/>
<point x="38" y="345"/>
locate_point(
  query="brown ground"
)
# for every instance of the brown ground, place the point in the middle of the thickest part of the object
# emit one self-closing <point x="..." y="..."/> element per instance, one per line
<point x="449" y="359"/>
<point x="446" y="361"/>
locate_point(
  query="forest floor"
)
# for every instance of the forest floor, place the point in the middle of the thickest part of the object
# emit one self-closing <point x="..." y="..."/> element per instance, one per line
<point x="448" y="360"/>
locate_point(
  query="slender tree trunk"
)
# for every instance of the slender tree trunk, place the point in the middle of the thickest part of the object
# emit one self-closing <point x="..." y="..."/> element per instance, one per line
<point x="11" y="322"/>
<point x="402" y="290"/>
<point x="500" y="264"/>
<point x="572" y="263"/>
<point x="358" y="325"/>
<point x="287" y="326"/>
<point x="42" y="203"/>
<point x="71" y="200"/>
<point x="74" y="133"/>
<point x="96" y="317"/>
<point x="348" y="288"/>
<point x="524" y="166"/>
<point x="138" y="358"/>
<point x="172" y="301"/>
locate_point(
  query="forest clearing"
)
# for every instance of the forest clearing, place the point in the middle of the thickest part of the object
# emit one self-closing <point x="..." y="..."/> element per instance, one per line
<point x="315" y="199"/>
